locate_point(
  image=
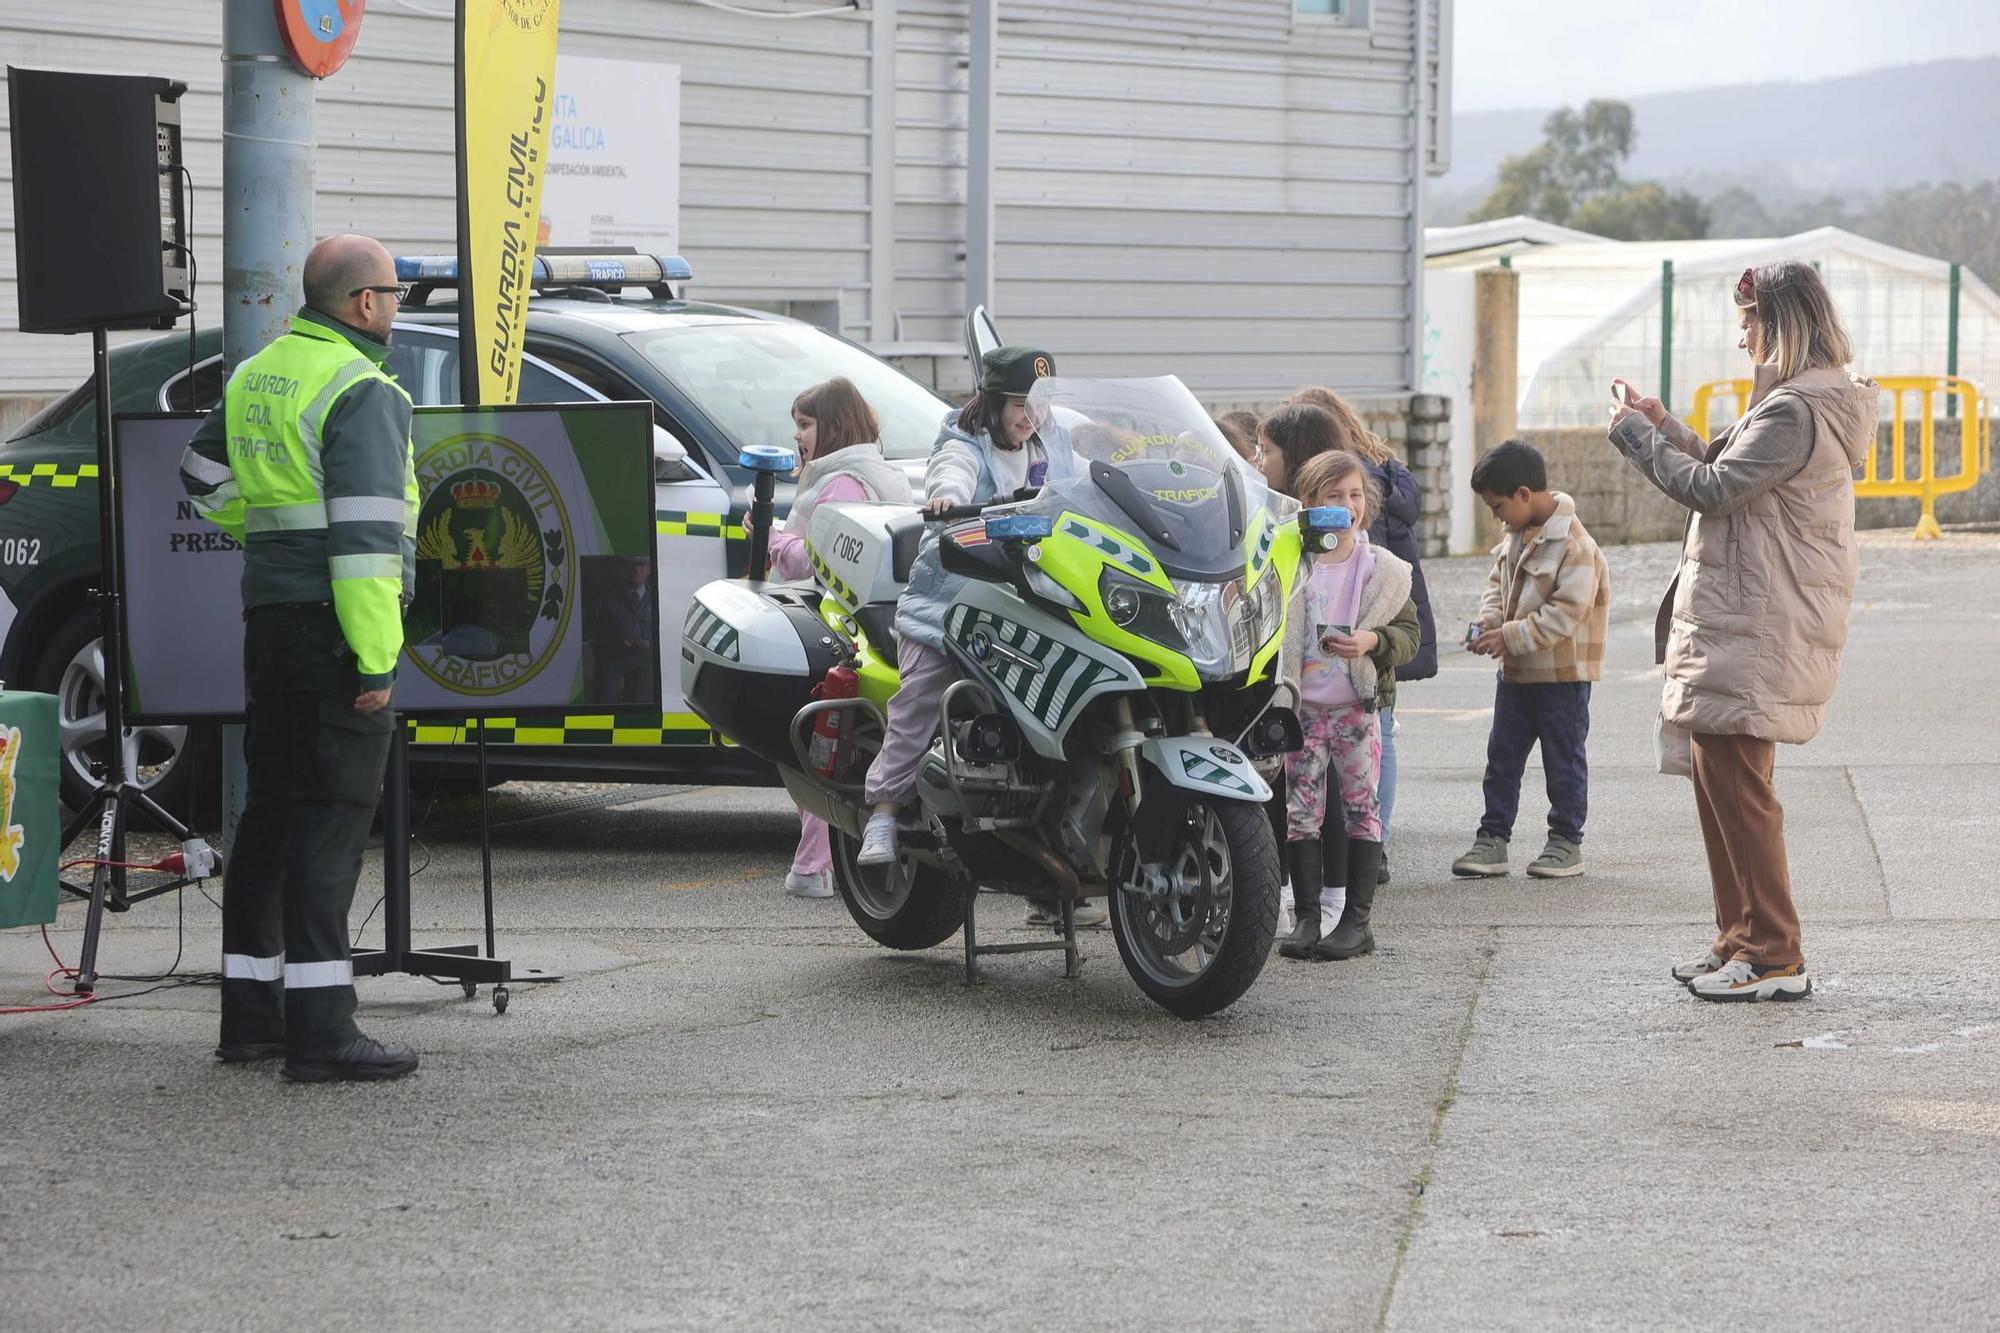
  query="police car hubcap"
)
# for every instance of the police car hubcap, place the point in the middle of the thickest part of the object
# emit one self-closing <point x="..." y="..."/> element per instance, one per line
<point x="150" y="752"/>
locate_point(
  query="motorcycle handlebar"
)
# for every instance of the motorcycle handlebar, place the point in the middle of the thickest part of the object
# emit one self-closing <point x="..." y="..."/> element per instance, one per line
<point x="958" y="512"/>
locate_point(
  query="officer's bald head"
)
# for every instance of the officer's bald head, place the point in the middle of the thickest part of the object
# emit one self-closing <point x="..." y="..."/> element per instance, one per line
<point x="339" y="270"/>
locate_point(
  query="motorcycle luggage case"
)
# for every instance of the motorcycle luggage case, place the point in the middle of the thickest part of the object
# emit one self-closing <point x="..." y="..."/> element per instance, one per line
<point x="751" y="654"/>
<point x="862" y="553"/>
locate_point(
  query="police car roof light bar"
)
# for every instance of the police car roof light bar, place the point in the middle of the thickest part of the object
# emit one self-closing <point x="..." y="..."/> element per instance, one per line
<point x="604" y="270"/>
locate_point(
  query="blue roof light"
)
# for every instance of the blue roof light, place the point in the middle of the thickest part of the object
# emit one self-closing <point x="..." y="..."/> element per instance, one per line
<point x="562" y="270"/>
<point x="768" y="458"/>
<point x="1328" y="518"/>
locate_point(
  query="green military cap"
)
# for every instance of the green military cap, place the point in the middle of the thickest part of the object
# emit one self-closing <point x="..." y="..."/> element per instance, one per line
<point x="1014" y="370"/>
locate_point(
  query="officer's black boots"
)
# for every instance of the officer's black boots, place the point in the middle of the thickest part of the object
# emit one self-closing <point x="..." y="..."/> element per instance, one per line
<point x="1352" y="937"/>
<point x="1305" y="867"/>
<point x="362" y="1060"/>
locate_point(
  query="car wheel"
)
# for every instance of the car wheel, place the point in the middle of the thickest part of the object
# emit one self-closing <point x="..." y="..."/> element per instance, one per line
<point x="176" y="766"/>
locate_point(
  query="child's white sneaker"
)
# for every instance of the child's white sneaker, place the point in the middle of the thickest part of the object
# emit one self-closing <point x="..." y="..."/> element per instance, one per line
<point x="878" y="841"/>
<point x="818" y="884"/>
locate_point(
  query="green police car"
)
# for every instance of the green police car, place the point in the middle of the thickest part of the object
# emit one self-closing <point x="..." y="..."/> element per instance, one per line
<point x="719" y="378"/>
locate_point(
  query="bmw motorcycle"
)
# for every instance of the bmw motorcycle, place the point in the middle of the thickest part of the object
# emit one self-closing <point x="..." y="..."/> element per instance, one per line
<point x="1117" y="636"/>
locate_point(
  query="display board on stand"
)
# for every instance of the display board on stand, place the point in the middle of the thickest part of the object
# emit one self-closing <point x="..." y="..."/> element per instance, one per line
<point x="534" y="546"/>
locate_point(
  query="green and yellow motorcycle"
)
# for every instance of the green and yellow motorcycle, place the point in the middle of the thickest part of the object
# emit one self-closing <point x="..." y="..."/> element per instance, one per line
<point x="1117" y="634"/>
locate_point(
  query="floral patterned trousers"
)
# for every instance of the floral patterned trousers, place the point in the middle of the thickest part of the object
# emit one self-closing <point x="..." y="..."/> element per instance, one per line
<point x="1343" y="745"/>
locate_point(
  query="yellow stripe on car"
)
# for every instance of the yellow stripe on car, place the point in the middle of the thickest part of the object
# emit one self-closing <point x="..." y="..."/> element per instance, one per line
<point x="52" y="474"/>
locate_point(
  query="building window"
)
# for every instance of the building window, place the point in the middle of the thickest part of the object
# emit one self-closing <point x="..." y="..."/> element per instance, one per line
<point x="1353" y="13"/>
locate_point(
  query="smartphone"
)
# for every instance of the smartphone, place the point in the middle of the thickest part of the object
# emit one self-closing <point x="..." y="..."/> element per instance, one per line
<point x="1621" y="393"/>
<point x="1472" y="633"/>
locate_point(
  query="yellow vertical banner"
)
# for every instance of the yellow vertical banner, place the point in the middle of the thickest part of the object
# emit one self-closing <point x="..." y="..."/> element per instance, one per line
<point x="506" y="96"/>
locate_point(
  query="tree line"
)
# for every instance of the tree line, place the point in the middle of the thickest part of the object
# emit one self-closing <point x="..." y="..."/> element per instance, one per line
<point x="1574" y="178"/>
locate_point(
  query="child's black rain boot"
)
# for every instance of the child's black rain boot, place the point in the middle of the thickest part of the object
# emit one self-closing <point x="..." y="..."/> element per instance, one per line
<point x="1351" y="937"/>
<point x="1305" y="867"/>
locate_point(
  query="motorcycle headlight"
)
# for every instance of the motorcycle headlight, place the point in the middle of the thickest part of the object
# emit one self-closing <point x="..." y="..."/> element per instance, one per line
<point x="1265" y="609"/>
<point x="1140" y="609"/>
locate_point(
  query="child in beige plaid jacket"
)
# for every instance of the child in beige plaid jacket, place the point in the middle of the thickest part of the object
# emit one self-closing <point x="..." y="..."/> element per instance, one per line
<point x="1544" y="616"/>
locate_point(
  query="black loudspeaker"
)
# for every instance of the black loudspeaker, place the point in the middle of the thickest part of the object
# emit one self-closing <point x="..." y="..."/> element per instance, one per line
<point x="100" y="238"/>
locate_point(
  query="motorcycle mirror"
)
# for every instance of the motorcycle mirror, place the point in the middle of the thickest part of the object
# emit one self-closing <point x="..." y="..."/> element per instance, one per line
<point x="980" y="336"/>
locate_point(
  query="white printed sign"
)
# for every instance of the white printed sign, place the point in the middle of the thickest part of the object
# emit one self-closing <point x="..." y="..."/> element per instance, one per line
<point x="614" y="166"/>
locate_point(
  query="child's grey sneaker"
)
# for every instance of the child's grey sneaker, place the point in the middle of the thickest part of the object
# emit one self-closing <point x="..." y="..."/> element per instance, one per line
<point x="1685" y="973"/>
<point x="1487" y="857"/>
<point x="1560" y="859"/>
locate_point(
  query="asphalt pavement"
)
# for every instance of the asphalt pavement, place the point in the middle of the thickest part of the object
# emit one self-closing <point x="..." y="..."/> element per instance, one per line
<point x="736" y="1112"/>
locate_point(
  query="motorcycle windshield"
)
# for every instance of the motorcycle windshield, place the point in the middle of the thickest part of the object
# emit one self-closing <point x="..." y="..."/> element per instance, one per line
<point x="1149" y="460"/>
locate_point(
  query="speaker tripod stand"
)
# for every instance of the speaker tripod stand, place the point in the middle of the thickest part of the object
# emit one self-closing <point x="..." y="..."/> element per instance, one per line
<point x="110" y="805"/>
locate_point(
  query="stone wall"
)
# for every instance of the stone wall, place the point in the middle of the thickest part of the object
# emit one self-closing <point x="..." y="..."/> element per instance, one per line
<point x="1418" y="428"/>
<point x="1618" y="505"/>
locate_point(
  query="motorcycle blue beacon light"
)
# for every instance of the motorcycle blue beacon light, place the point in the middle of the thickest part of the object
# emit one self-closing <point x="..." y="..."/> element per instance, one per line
<point x="767" y="458"/>
<point x="1327" y="518"/>
<point x="1020" y="527"/>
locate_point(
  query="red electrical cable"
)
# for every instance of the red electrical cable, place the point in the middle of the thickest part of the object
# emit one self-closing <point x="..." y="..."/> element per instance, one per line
<point x="76" y="999"/>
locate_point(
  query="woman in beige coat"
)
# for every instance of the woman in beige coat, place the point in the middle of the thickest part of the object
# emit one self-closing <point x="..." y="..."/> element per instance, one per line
<point x="1750" y="632"/>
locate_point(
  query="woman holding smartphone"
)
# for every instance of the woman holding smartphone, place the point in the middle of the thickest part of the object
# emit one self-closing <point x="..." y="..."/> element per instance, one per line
<point x="1751" y="629"/>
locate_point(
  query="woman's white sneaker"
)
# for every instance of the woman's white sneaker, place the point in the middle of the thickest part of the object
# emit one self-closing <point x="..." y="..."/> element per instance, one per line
<point x="1741" y="979"/>
<point x="878" y="841"/>
<point x="816" y="885"/>
<point x="1685" y="973"/>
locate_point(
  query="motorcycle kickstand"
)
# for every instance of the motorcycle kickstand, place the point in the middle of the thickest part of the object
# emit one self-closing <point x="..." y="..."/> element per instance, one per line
<point x="1072" y="958"/>
<point x="971" y="938"/>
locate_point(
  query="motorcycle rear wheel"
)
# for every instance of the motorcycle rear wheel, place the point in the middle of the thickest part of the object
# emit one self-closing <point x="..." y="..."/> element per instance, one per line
<point x="1196" y="952"/>
<point x="901" y="905"/>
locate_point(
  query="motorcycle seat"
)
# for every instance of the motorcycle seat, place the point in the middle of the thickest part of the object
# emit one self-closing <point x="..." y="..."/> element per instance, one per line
<point x="878" y="624"/>
<point x="906" y="531"/>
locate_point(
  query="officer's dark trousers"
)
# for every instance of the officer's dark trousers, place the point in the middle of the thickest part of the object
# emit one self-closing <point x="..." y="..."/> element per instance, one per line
<point x="315" y="770"/>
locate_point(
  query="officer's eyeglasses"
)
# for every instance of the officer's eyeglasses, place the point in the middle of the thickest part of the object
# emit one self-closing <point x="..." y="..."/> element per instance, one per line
<point x="401" y="292"/>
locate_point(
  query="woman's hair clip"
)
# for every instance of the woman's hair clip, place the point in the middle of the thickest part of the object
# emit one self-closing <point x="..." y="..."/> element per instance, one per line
<point x="1746" y="286"/>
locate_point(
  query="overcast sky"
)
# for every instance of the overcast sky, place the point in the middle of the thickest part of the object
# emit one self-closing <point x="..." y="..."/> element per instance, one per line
<point x="1541" y="53"/>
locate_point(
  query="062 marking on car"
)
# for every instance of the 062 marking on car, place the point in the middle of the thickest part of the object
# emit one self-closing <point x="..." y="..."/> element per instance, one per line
<point x="21" y="551"/>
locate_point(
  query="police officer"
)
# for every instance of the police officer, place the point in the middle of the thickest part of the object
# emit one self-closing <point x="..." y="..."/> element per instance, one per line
<point x="307" y="462"/>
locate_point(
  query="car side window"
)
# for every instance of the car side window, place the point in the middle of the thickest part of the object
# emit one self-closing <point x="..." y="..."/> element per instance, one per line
<point x="199" y="392"/>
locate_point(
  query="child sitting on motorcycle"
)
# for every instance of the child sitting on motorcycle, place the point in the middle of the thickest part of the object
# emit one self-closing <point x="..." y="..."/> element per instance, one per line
<point x="1351" y="623"/>
<point x="839" y="461"/>
<point x="987" y="450"/>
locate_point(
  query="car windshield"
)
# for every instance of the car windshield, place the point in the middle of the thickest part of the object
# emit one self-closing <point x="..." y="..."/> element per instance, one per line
<point x="1149" y="460"/>
<point x="745" y="376"/>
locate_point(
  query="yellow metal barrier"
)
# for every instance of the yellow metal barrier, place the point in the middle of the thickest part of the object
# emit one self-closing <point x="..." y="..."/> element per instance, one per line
<point x="1891" y="477"/>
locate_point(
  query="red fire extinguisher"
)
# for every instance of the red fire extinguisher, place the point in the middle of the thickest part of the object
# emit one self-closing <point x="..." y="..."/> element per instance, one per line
<point x="828" y="750"/>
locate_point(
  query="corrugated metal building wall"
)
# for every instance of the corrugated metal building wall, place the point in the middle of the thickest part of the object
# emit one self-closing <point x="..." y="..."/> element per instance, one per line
<point x="1225" y="190"/>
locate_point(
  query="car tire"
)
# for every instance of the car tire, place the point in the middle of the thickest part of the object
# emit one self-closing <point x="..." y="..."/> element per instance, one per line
<point x="179" y="767"/>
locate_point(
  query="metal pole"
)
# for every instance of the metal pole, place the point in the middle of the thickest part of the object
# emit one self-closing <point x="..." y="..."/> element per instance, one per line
<point x="1667" y="334"/>
<point x="882" y="173"/>
<point x="1419" y="165"/>
<point x="267" y="203"/>
<point x="1951" y="346"/>
<point x="983" y="53"/>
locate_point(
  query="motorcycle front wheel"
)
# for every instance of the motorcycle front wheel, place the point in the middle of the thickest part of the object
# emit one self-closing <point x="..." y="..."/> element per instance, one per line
<point x="1196" y="949"/>
<point x="902" y="905"/>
